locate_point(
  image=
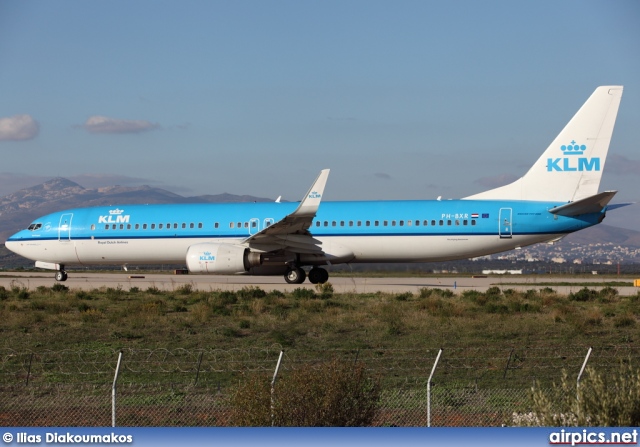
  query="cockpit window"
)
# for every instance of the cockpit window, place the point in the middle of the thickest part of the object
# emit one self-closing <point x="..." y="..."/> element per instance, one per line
<point x="34" y="226"/>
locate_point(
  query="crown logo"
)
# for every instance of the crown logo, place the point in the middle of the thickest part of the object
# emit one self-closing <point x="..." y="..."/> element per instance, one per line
<point x="116" y="212"/>
<point x="573" y="148"/>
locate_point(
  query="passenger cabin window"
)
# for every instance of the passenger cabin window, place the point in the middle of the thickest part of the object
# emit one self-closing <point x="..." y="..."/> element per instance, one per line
<point x="159" y="226"/>
<point x="191" y="225"/>
<point x="230" y="224"/>
<point x="215" y="225"/>
<point x="144" y="226"/>
<point x="473" y="222"/>
<point x="137" y="226"/>
<point x="153" y="226"/>
<point x="368" y="223"/>
<point x="93" y="227"/>
<point x="441" y="222"/>
<point x="199" y="224"/>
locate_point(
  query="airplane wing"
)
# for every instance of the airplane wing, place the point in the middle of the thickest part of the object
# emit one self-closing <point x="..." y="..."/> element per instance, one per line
<point x="292" y="232"/>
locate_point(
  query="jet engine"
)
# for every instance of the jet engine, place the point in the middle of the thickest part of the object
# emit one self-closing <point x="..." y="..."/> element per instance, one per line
<point x="221" y="258"/>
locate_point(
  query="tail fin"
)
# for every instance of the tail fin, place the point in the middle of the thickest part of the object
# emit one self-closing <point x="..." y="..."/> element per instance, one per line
<point x="571" y="167"/>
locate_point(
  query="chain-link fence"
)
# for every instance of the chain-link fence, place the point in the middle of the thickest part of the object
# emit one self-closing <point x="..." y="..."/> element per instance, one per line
<point x="470" y="387"/>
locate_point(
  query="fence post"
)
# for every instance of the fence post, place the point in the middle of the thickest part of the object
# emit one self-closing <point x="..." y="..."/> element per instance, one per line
<point x="433" y="370"/>
<point x="29" y="370"/>
<point x="113" y="392"/>
<point x="198" y="369"/>
<point x="273" y="384"/>
<point x="584" y="364"/>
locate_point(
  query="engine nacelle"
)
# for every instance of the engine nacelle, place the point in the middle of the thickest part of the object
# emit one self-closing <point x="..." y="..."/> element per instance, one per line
<point x="220" y="258"/>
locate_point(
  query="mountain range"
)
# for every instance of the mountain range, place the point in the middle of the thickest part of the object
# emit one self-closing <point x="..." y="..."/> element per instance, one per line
<point x="19" y="209"/>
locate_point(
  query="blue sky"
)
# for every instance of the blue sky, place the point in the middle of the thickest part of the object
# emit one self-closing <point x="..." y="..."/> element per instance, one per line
<point x="401" y="99"/>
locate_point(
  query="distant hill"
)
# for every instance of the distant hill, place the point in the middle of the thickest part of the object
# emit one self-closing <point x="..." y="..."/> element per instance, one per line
<point x="19" y="209"/>
<point x="606" y="233"/>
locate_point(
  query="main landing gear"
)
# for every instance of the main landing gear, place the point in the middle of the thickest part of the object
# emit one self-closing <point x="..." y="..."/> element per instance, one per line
<point x="61" y="275"/>
<point x="296" y="275"/>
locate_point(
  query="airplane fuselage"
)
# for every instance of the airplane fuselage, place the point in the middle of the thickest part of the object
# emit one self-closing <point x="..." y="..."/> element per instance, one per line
<point x="375" y="231"/>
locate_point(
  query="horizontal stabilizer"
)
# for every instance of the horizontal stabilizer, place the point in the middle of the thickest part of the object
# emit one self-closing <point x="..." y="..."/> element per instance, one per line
<point x="592" y="204"/>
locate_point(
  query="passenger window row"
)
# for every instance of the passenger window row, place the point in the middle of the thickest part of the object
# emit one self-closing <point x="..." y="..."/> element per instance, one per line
<point x="152" y="226"/>
<point x="393" y="223"/>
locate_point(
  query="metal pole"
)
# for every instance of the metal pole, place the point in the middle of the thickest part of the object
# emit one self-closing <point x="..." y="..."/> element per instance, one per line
<point x="198" y="369"/>
<point x="506" y="368"/>
<point x="273" y="384"/>
<point x="584" y="364"/>
<point x="433" y="370"/>
<point x="29" y="370"/>
<point x="113" y="392"/>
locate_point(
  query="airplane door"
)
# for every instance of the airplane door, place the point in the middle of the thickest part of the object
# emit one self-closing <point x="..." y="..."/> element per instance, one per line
<point x="505" y="224"/>
<point x="254" y="226"/>
<point x="268" y="222"/>
<point x="64" y="228"/>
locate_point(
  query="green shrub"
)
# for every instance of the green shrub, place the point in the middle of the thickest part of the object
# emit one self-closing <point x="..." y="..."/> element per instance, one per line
<point x="584" y="294"/>
<point x="185" y="289"/>
<point x="404" y="296"/>
<point x="225" y="298"/>
<point x="330" y="394"/>
<point x="57" y="287"/>
<point x="608" y="294"/>
<point x="325" y="290"/>
<point x="303" y="293"/>
<point x="248" y="293"/>
<point x="610" y="399"/>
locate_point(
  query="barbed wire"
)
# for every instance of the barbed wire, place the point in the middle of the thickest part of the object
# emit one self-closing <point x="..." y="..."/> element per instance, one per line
<point x="473" y="362"/>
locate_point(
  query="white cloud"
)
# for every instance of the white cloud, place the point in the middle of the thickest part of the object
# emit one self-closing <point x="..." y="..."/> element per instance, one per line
<point x="18" y="127"/>
<point x="103" y="124"/>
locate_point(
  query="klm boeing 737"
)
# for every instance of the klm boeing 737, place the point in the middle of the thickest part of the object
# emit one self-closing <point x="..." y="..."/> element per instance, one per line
<point x="557" y="196"/>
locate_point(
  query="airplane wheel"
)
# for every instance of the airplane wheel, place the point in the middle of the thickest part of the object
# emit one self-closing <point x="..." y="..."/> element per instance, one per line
<point x="318" y="276"/>
<point x="61" y="275"/>
<point x="295" y="276"/>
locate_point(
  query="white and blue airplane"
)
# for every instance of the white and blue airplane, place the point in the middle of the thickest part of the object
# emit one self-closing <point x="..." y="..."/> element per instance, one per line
<point x="557" y="196"/>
